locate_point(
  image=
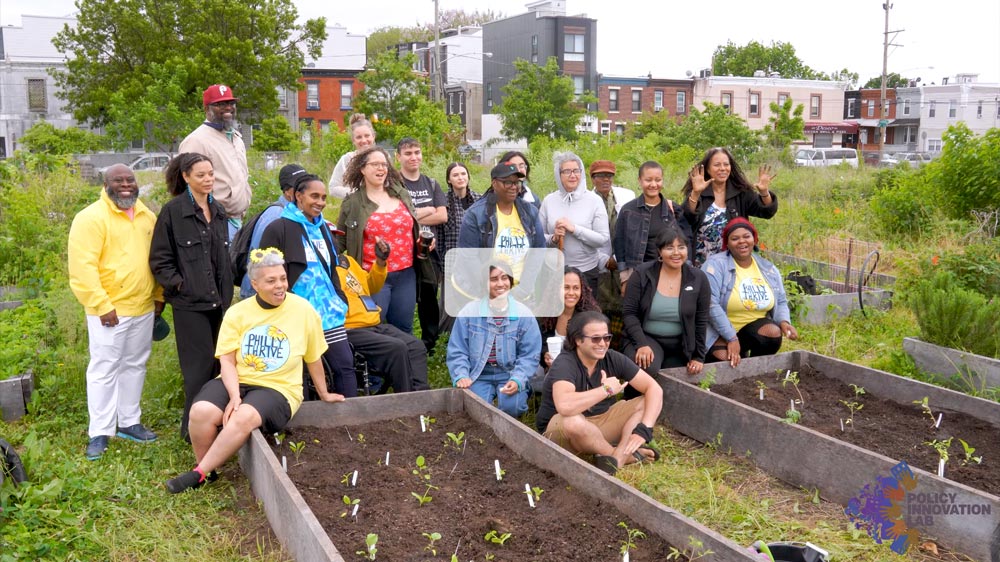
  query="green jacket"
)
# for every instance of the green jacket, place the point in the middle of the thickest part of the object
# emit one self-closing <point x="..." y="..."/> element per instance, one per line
<point x="354" y="214"/>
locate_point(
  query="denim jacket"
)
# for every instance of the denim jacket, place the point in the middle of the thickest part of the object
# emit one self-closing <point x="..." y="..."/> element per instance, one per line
<point x="518" y="343"/>
<point x="632" y="229"/>
<point x="479" y="225"/>
<point x="721" y="272"/>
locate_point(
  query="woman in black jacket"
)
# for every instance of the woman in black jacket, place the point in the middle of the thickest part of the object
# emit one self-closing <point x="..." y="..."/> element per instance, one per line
<point x="665" y="309"/>
<point x="189" y="257"/>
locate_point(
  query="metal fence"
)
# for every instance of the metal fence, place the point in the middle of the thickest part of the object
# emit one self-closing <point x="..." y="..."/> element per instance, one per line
<point x="850" y="262"/>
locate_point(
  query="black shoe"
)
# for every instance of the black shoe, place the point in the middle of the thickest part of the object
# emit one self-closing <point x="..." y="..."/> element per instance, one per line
<point x="186" y="481"/>
<point x="96" y="447"/>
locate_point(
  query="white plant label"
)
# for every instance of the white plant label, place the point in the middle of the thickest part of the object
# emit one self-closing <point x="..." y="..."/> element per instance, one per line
<point x="284" y="463"/>
<point x="423" y="425"/>
<point x="625" y="557"/>
<point x="531" y="499"/>
<point x="792" y="404"/>
<point x="387" y="458"/>
<point x="762" y="394"/>
<point x="354" y="479"/>
<point x="841" y="424"/>
<point x="937" y="424"/>
<point x="941" y="468"/>
<point x="354" y="512"/>
<point x="496" y="466"/>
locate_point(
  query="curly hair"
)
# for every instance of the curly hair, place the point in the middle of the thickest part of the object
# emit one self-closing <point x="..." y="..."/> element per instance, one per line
<point x="353" y="177"/>
<point x="180" y="165"/>
<point x="736" y="177"/>
<point x="586" y="303"/>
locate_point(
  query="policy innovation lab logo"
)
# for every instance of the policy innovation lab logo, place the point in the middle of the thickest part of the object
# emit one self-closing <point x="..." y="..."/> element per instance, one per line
<point x="882" y="509"/>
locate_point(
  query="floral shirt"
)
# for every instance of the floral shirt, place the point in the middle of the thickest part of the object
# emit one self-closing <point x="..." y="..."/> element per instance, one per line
<point x="708" y="239"/>
<point x="396" y="228"/>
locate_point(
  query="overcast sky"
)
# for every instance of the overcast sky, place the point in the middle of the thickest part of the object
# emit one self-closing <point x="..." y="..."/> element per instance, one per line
<point x="671" y="37"/>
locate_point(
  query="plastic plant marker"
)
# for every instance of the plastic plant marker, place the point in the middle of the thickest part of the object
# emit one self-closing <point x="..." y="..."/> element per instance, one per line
<point x="354" y="512"/>
<point x="625" y="557"/>
<point x="354" y="479"/>
<point x="791" y="402"/>
<point x="496" y="466"/>
<point x="941" y="468"/>
<point x="387" y="458"/>
<point x="423" y="425"/>
<point x="841" y="425"/>
<point x="762" y="394"/>
<point x="937" y="424"/>
<point x="531" y="500"/>
<point x="284" y="463"/>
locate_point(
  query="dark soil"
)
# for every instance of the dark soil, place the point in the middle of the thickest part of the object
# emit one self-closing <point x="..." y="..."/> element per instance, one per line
<point x="895" y="430"/>
<point x="468" y="504"/>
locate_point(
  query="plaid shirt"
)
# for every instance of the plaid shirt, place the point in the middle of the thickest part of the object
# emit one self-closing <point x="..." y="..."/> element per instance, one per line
<point x="447" y="233"/>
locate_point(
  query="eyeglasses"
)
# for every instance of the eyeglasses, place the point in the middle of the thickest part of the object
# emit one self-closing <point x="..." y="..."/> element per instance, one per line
<point x="573" y="172"/>
<point x="509" y="183"/>
<point x="378" y="165"/>
<point x="606" y="338"/>
<point x="602" y="176"/>
<point x="224" y="103"/>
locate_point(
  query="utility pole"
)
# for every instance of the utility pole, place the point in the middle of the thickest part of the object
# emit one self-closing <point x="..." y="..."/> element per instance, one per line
<point x="883" y="114"/>
<point x="436" y="67"/>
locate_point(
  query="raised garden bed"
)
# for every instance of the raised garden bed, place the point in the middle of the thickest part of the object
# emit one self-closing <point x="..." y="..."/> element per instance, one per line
<point x="834" y="465"/>
<point x="15" y="394"/>
<point x="977" y="371"/>
<point x="822" y="309"/>
<point x="468" y="503"/>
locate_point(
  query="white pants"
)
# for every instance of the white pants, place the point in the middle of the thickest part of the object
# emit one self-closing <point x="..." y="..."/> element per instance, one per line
<point x="117" y="371"/>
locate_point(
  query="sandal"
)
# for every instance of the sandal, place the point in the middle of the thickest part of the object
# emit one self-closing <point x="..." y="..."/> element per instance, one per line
<point x="639" y="457"/>
<point x="606" y="463"/>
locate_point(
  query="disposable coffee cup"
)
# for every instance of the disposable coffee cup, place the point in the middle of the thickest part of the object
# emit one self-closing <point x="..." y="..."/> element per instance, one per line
<point x="555" y="344"/>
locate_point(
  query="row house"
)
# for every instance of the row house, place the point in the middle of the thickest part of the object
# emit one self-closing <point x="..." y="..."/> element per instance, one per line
<point x="624" y="100"/>
<point x="750" y="97"/>
<point x="27" y="90"/>
<point x="331" y="82"/>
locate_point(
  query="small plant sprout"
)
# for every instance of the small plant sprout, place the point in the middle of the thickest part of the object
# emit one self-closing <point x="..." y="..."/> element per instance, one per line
<point x="346" y="479"/>
<point x="941" y="446"/>
<point x="859" y="391"/>
<point x="278" y="438"/>
<point x="431" y="539"/>
<point x="455" y="440"/>
<point x="926" y="409"/>
<point x="422" y="471"/>
<point x="533" y="493"/>
<point x="793" y="377"/>
<point x="361" y="438"/>
<point x="694" y="551"/>
<point x="968" y="450"/>
<point x="426" y="497"/>
<point x="761" y="387"/>
<point x="496" y="538"/>
<point x="632" y="536"/>
<point x="853" y="407"/>
<point x="352" y="506"/>
<point x="792" y="416"/>
<point x="707" y="380"/>
<point x="426" y="422"/>
<point x="297" y="449"/>
<point x="369" y="551"/>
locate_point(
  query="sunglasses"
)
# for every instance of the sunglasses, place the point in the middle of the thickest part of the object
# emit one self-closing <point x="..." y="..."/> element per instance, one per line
<point x="598" y="339"/>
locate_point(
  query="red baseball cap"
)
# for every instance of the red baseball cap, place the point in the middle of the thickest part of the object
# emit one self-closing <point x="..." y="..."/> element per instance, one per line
<point x="216" y="93"/>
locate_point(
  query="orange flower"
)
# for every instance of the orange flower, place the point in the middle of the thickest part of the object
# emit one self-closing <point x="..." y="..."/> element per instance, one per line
<point x="836" y="211"/>
<point x="763" y="246"/>
<point x="935" y="260"/>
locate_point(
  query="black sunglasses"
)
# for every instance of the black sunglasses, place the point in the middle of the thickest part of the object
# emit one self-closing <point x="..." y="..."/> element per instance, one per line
<point x="598" y="339"/>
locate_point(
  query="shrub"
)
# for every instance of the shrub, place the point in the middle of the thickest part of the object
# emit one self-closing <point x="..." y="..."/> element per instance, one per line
<point x="903" y="202"/>
<point x="968" y="172"/>
<point x="952" y="316"/>
<point x="976" y="268"/>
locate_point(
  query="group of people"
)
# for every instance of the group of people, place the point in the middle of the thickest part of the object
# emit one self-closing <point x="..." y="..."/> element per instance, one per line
<point x="316" y="294"/>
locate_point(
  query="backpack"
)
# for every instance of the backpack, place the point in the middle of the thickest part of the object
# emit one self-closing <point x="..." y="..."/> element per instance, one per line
<point x="239" y="249"/>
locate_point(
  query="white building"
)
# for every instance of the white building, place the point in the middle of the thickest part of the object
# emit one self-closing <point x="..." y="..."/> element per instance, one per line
<point x="956" y="99"/>
<point x="27" y="91"/>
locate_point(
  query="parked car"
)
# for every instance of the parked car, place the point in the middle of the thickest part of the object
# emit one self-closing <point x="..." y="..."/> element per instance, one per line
<point x="888" y="160"/>
<point x="151" y="162"/>
<point x="818" y="157"/>
<point x="913" y="159"/>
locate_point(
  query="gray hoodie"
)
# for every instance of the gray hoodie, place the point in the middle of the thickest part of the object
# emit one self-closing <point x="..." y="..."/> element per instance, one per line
<point x="585" y="209"/>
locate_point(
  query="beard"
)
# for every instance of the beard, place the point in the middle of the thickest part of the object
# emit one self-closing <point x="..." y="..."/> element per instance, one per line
<point x="123" y="203"/>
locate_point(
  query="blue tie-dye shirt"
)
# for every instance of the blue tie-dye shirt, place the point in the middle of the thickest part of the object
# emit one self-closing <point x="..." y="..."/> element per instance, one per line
<point x="315" y="284"/>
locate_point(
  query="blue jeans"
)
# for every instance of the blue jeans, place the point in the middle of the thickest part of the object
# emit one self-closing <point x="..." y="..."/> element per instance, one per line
<point x="398" y="298"/>
<point x="487" y="386"/>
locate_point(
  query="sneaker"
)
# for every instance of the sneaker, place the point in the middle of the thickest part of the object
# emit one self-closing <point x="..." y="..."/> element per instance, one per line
<point x="137" y="432"/>
<point x="185" y="481"/>
<point x="96" y="447"/>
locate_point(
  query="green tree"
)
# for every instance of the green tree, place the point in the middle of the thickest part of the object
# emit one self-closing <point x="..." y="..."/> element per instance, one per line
<point x="44" y="137"/>
<point x="395" y="98"/>
<point x="713" y="126"/>
<point x="785" y="124"/>
<point x="649" y="123"/>
<point x="147" y="61"/>
<point x="892" y="80"/>
<point x="276" y="135"/>
<point x="967" y="174"/>
<point x="540" y="101"/>
<point x="780" y="57"/>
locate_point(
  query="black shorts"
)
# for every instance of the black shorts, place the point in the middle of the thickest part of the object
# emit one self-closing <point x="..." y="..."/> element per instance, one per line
<point x="273" y="408"/>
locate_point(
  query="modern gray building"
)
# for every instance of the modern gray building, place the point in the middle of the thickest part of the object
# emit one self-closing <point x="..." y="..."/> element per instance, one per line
<point x="27" y="90"/>
<point x="544" y="31"/>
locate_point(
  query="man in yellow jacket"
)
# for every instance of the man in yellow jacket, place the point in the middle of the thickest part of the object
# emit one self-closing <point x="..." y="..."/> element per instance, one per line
<point x="109" y="274"/>
<point x="392" y="352"/>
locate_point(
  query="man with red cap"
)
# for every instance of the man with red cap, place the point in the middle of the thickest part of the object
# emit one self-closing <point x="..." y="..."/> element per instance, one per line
<point x="218" y="139"/>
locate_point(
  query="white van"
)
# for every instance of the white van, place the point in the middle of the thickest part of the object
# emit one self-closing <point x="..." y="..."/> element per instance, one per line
<point x="826" y="157"/>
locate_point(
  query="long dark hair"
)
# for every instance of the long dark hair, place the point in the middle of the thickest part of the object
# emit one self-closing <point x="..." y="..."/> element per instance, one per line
<point x="512" y="153"/>
<point x="587" y="302"/>
<point x="180" y="165"/>
<point x="736" y="177"/>
<point x="356" y="180"/>
<point x="452" y="166"/>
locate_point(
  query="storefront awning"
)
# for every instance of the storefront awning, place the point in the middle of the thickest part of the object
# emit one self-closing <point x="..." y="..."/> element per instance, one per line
<point x="840" y="127"/>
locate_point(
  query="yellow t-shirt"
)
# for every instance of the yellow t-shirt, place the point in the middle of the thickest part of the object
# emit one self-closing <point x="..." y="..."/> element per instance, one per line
<point x="751" y="298"/>
<point x="511" y="240"/>
<point x="270" y="344"/>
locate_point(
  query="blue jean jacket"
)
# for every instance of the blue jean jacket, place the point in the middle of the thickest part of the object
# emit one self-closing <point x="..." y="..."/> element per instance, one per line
<point x="518" y="343"/>
<point x="721" y="272"/>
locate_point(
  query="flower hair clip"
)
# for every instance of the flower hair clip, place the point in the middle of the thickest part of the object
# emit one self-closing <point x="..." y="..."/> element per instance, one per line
<point x="257" y="255"/>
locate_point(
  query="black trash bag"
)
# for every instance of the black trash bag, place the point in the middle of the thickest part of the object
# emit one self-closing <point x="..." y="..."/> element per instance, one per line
<point x="806" y="282"/>
<point x="10" y="463"/>
<point x="792" y="551"/>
